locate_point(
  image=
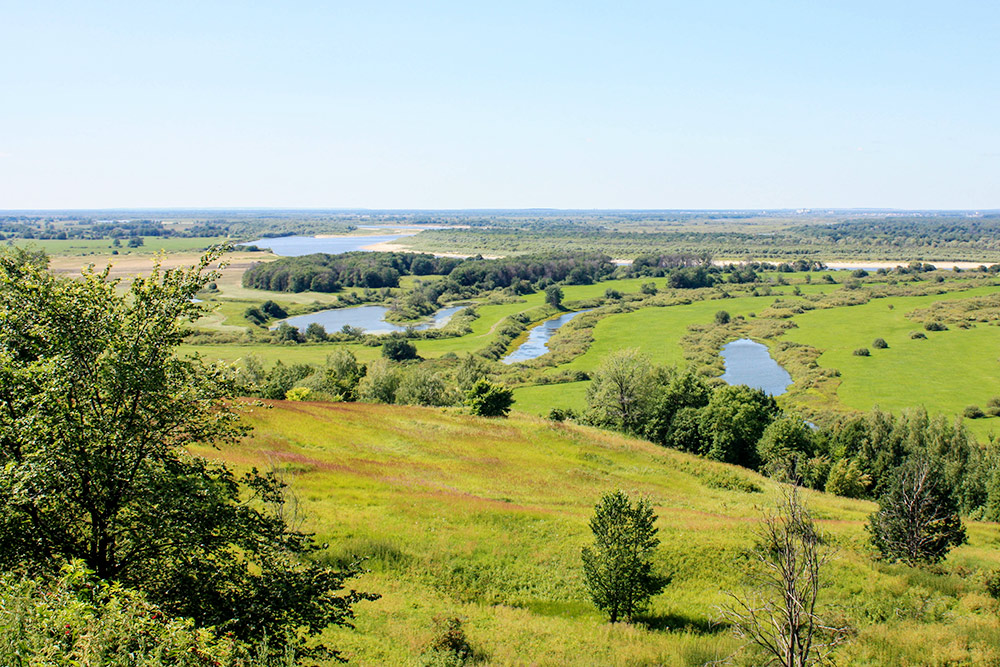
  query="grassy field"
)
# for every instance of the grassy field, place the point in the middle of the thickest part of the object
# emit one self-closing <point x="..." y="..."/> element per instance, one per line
<point x="151" y="245"/>
<point x="944" y="372"/>
<point x="484" y="520"/>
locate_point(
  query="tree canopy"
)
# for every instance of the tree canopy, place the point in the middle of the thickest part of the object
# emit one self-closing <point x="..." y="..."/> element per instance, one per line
<point x="96" y="413"/>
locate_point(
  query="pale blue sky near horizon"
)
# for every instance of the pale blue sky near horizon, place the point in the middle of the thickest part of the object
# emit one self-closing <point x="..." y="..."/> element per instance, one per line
<point x="660" y="105"/>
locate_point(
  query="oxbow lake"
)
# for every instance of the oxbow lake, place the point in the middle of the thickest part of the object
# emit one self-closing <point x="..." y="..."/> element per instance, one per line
<point x="750" y="363"/>
<point x="295" y="246"/>
<point x="371" y="319"/>
<point x="537" y="343"/>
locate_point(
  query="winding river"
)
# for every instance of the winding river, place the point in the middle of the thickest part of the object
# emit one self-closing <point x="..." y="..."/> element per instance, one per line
<point x="537" y="343"/>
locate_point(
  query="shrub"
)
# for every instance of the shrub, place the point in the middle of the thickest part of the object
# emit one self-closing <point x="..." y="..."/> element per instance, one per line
<point x="489" y="399"/>
<point x="918" y="520"/>
<point x="399" y="349"/>
<point x="846" y="479"/>
<point x="935" y="326"/>
<point x="271" y="309"/>
<point x="553" y="296"/>
<point x="973" y="412"/>
<point x="450" y="646"/>
<point x="561" y="414"/>
<point x="862" y="352"/>
<point x="421" y="386"/>
<point x="298" y="394"/>
<point x="918" y="335"/>
<point x="992" y="582"/>
<point x="880" y="344"/>
<point x="722" y="317"/>
<point x="612" y="294"/>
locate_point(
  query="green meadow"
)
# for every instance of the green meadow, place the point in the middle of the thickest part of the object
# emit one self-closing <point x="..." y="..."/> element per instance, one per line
<point x="483" y="520"/>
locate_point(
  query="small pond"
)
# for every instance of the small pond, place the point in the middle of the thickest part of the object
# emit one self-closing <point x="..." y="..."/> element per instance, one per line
<point x="751" y="364"/>
<point x="538" y="339"/>
<point x="371" y="319"/>
<point x="294" y="246"/>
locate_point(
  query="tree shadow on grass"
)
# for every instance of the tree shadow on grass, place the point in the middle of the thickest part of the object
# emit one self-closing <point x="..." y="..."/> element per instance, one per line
<point x="695" y="624"/>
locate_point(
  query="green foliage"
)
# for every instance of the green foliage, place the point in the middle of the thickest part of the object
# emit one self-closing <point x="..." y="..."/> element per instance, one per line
<point x="879" y="344"/>
<point x="553" y="296"/>
<point x="380" y="382"/>
<point x="973" y="412"/>
<point x="316" y="332"/>
<point x="272" y="309"/>
<point x="96" y="416"/>
<point x="622" y="391"/>
<point x="450" y="647"/>
<point x="399" y="349"/>
<point x="862" y="352"/>
<point x="733" y="421"/>
<point x="785" y="448"/>
<point x="935" y="326"/>
<point x="489" y="399"/>
<point x="847" y="479"/>
<point x="76" y="618"/>
<point x="298" y="394"/>
<point x="420" y="385"/>
<point x="722" y="317"/>
<point x="618" y="570"/>
<point x="917" y="521"/>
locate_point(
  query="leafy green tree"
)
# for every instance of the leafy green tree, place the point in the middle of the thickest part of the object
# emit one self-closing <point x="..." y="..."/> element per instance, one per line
<point x="489" y="399"/>
<point x="96" y="415"/>
<point x="622" y="391"/>
<point x="918" y="520"/>
<point x="722" y="317"/>
<point x="617" y="569"/>
<point x="380" y="382"/>
<point x="553" y="296"/>
<point x="847" y="479"/>
<point x="421" y="386"/>
<point x="684" y="390"/>
<point x="399" y="349"/>
<point x="733" y="422"/>
<point x="316" y="332"/>
<point x="785" y="448"/>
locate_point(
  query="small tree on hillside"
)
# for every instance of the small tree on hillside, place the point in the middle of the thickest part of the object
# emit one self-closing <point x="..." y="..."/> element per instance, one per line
<point x="918" y="520"/>
<point x="617" y="569"/>
<point x="489" y="399"/>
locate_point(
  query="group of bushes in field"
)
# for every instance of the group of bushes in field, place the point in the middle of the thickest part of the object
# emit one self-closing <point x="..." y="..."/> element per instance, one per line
<point x="399" y="377"/>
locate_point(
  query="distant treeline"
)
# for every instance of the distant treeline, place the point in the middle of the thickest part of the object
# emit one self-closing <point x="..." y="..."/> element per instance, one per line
<point x="62" y="227"/>
<point x="328" y="273"/>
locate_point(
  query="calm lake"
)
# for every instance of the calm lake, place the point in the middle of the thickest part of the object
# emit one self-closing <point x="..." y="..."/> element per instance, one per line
<point x="294" y="246"/>
<point x="371" y="319"/>
<point x="751" y="364"/>
<point x="538" y="339"/>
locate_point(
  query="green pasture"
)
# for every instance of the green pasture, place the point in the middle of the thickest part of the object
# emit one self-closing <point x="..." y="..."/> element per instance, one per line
<point x="946" y="372"/>
<point x="151" y="245"/>
<point x="484" y="519"/>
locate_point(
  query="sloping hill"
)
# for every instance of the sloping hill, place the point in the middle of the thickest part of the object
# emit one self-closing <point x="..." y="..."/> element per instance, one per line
<point x="484" y="520"/>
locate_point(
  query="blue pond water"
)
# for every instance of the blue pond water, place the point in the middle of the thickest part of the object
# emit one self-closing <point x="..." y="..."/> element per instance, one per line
<point x="751" y="364"/>
<point x="537" y="343"/>
<point x="294" y="246"/>
<point x="371" y="319"/>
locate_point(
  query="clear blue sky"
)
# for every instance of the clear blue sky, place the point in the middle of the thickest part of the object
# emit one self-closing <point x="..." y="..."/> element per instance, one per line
<point x="503" y="104"/>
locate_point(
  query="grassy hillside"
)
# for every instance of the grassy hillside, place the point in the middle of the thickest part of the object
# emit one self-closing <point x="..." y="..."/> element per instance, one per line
<point x="484" y="520"/>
